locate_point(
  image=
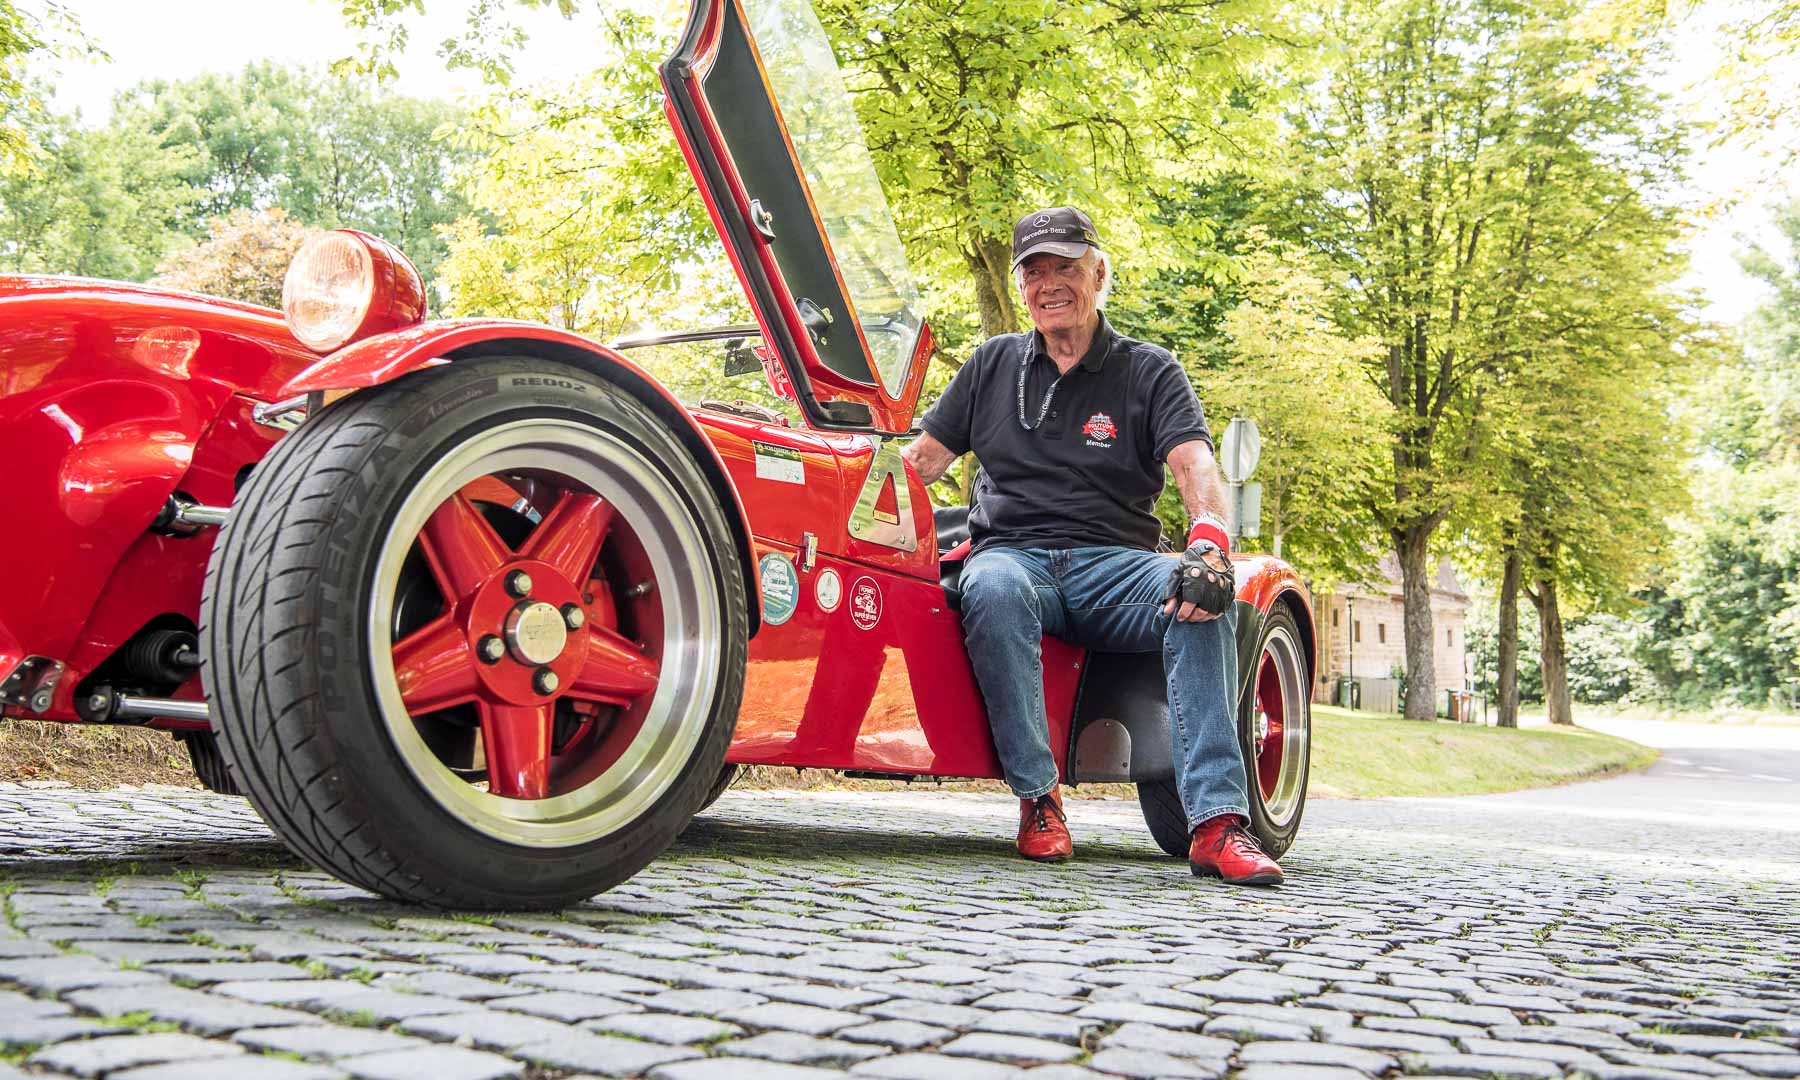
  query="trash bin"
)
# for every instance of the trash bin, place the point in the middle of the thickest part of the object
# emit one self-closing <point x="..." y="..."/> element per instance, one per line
<point x="1349" y="693"/>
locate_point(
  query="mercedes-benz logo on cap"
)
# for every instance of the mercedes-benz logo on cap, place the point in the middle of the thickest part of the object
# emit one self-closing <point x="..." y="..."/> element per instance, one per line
<point x="1060" y="230"/>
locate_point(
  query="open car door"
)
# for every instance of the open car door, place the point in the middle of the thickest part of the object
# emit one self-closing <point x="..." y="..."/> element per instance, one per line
<point x="770" y="133"/>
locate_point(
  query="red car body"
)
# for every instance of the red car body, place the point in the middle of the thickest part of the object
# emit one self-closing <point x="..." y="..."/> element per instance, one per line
<point x="126" y="411"/>
<point x="117" y="396"/>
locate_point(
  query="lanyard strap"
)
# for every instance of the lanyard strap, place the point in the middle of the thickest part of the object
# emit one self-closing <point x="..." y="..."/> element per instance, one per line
<point x="1044" y="408"/>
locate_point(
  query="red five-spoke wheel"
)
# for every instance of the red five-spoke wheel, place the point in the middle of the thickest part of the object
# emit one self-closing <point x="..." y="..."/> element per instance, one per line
<point x="476" y="637"/>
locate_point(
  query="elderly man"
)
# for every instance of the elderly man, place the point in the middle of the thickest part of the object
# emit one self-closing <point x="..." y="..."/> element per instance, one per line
<point x="1072" y="424"/>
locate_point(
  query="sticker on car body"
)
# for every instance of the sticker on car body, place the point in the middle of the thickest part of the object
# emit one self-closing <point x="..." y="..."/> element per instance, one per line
<point x="865" y="603"/>
<point x="830" y="590"/>
<point x="779" y="463"/>
<point x="780" y="588"/>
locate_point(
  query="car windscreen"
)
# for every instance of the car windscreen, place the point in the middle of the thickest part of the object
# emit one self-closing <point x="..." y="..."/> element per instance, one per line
<point x="846" y="194"/>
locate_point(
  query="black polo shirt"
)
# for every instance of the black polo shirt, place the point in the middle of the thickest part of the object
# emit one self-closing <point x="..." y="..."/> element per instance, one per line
<point x="1089" y="474"/>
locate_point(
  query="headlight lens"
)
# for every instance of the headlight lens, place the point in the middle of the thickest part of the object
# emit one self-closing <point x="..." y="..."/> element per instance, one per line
<point x="327" y="291"/>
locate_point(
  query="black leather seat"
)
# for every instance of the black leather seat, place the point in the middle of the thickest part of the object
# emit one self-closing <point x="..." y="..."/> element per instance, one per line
<point x="952" y="526"/>
<point x="952" y="529"/>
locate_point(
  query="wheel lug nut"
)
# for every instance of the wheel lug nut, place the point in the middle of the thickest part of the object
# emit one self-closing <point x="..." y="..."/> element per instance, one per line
<point x="544" y="681"/>
<point x="519" y="584"/>
<point x="573" y="616"/>
<point x="491" y="649"/>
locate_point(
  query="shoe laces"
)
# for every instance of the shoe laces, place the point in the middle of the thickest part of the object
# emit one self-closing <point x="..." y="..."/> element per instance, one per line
<point x="1041" y="810"/>
<point x="1237" y="837"/>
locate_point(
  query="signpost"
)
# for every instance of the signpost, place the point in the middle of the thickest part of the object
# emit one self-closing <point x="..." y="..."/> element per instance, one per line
<point x="1239" y="452"/>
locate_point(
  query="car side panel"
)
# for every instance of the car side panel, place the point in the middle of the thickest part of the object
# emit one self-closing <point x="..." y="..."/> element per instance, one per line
<point x="882" y="687"/>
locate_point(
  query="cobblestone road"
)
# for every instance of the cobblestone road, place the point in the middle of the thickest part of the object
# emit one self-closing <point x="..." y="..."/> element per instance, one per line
<point x="1644" y="927"/>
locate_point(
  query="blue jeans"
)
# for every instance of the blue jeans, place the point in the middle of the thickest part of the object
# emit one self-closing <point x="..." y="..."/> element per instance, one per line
<point x="1109" y="599"/>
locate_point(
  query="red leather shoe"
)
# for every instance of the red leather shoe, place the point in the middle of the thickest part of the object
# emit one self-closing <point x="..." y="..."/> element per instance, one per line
<point x="1223" y="849"/>
<point x="1043" y="833"/>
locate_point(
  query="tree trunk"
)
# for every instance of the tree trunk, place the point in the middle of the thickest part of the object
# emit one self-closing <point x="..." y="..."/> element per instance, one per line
<point x="988" y="258"/>
<point x="1509" y="641"/>
<point x="1412" y="546"/>
<point x="1555" y="657"/>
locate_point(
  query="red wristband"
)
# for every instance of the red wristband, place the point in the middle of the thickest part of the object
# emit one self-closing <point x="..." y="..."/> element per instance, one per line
<point x="1208" y="528"/>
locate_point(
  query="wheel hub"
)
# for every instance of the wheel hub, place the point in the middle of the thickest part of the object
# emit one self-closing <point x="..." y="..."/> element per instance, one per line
<point x="538" y="655"/>
<point x="536" y="632"/>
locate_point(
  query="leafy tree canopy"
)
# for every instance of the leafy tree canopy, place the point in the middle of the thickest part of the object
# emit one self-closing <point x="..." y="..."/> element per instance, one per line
<point x="245" y="257"/>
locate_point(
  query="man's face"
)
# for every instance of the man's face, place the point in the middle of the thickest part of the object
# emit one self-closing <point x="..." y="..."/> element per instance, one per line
<point x="1061" y="293"/>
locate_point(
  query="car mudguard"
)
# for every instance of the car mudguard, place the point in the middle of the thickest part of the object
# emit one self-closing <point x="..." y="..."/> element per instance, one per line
<point x="1121" y="727"/>
<point x="385" y="357"/>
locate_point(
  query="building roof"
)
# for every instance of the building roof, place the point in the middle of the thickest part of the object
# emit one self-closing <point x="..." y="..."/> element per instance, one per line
<point x="1444" y="584"/>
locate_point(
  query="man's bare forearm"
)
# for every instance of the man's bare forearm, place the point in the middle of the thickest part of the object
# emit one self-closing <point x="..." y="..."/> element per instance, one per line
<point x="1197" y="478"/>
<point x="929" y="458"/>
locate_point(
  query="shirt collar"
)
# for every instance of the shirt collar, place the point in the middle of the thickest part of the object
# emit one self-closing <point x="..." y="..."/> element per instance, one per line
<point x="1098" y="350"/>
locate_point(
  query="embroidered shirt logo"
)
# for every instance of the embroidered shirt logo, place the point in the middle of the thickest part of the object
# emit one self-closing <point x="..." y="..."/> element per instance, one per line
<point x="1099" y="429"/>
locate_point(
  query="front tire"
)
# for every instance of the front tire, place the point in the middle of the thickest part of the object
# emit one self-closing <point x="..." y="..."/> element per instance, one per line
<point x="476" y="637"/>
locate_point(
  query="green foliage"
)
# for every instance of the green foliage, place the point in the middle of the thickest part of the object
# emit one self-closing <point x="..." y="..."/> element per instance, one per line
<point x="1479" y="176"/>
<point x="116" y="201"/>
<point x="1722" y="621"/>
<point x="979" y="110"/>
<point x="1325" y="429"/>
<point x="588" y="218"/>
<point x="331" y="152"/>
<point x="1726" y="621"/>
<point x="245" y="258"/>
<point x="100" y="203"/>
<point x="28" y="33"/>
<point x="1484" y="655"/>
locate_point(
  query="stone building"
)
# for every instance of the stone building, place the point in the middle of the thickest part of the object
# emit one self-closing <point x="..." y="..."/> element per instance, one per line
<point x="1361" y="634"/>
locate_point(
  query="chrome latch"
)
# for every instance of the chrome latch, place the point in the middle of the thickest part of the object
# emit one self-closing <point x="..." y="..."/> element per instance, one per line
<point x="809" y="551"/>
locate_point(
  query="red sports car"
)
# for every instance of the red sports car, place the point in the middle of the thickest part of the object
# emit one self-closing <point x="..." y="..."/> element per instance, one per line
<point x="476" y="612"/>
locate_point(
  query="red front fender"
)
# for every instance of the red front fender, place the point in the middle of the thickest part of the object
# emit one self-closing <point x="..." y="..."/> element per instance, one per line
<point x="1262" y="582"/>
<point x="376" y="360"/>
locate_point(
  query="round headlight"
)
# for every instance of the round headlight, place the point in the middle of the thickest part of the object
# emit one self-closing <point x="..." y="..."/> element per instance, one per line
<point x="344" y="285"/>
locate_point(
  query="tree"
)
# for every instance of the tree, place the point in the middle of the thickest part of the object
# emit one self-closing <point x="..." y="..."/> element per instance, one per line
<point x="245" y="258"/>
<point x="99" y="203"/>
<point x="590" y="220"/>
<point x="28" y="34"/>
<point x="978" y="110"/>
<point x="1463" y="164"/>
<point x="1324" y="427"/>
<point x="1723" y="620"/>
<point x="331" y="152"/>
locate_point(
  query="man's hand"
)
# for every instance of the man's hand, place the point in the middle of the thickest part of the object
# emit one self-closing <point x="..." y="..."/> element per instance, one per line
<point x="929" y="458"/>
<point x="1202" y="587"/>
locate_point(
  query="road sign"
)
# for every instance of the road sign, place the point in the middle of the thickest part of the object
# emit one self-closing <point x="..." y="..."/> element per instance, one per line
<point x="1240" y="449"/>
<point x="1249" y="509"/>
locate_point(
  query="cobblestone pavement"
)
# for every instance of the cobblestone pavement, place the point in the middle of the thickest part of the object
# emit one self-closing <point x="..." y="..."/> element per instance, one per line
<point x="1631" y="928"/>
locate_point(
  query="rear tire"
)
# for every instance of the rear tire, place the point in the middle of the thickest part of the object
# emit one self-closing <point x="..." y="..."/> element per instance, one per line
<point x="1161" y="802"/>
<point x="1275" y="731"/>
<point x="346" y="624"/>
<point x="209" y="764"/>
<point x="726" y="776"/>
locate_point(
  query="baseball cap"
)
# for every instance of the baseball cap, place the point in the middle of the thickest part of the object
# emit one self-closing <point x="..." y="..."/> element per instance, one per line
<point x="1061" y="230"/>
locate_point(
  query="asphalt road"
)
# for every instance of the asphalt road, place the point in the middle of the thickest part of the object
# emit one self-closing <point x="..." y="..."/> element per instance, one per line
<point x="1647" y="926"/>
